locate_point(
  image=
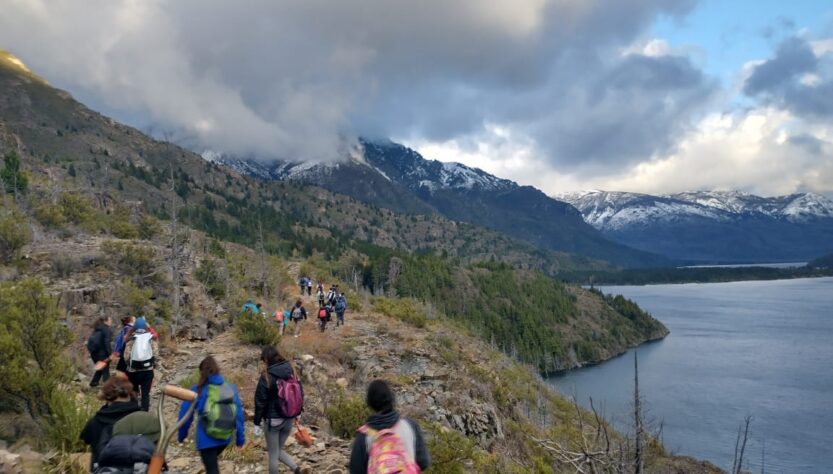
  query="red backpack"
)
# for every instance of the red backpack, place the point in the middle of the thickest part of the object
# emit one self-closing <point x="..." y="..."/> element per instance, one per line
<point x="322" y="313"/>
<point x="290" y="397"/>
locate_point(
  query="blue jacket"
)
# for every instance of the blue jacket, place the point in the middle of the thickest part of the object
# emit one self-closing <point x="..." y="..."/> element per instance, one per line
<point x="203" y="440"/>
<point x="120" y="338"/>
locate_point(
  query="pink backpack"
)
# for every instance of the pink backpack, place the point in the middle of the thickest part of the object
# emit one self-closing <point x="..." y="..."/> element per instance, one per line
<point x="387" y="453"/>
<point x="290" y="397"/>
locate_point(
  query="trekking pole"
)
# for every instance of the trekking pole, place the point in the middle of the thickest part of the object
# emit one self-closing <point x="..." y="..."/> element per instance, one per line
<point x="158" y="458"/>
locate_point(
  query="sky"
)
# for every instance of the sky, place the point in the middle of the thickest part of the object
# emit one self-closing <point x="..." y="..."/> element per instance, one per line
<point x="655" y="96"/>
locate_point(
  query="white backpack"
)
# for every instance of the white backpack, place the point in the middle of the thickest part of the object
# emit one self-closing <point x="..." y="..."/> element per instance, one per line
<point x="141" y="354"/>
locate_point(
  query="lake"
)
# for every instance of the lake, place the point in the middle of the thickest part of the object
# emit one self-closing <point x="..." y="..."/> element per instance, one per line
<point x="761" y="348"/>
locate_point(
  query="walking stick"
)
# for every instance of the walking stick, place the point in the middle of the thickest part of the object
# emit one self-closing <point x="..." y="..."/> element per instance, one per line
<point x="158" y="459"/>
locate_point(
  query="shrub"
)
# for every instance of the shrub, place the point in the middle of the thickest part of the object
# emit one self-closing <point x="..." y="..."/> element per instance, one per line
<point x="14" y="234"/>
<point x="68" y="416"/>
<point x="120" y="225"/>
<point x="149" y="227"/>
<point x="49" y="215"/>
<point x="32" y="341"/>
<point x="135" y="260"/>
<point x="347" y="415"/>
<point x="449" y="450"/>
<point x="76" y="208"/>
<point x="65" y="265"/>
<point x="257" y="330"/>
<point x="402" y="309"/>
<point x="137" y="300"/>
<point x="13" y="179"/>
<point x="208" y="273"/>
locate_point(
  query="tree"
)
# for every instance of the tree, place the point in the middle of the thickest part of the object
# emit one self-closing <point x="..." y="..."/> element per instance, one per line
<point x="14" y="180"/>
<point x="32" y="341"/>
<point x="14" y="234"/>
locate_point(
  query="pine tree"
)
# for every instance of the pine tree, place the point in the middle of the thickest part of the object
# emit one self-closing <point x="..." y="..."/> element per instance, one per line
<point x="14" y="180"/>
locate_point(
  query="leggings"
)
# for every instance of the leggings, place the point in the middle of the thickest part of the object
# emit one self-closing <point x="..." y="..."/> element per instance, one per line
<point x="275" y="439"/>
<point x="102" y="374"/>
<point x="142" y="380"/>
<point x="210" y="459"/>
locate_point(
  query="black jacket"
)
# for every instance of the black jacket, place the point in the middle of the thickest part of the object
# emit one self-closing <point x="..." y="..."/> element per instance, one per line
<point x="359" y="455"/>
<point x="265" y="406"/>
<point x="98" y="430"/>
<point x="101" y="342"/>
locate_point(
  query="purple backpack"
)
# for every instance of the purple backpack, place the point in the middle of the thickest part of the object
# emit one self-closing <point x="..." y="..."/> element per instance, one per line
<point x="290" y="397"/>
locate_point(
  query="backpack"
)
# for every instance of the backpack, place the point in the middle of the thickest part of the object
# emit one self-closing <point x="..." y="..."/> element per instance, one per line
<point x="296" y="314"/>
<point x="141" y="354"/>
<point x="386" y="453"/>
<point x="322" y="313"/>
<point x="93" y="341"/>
<point x="341" y="304"/>
<point x="219" y="414"/>
<point x="290" y="397"/>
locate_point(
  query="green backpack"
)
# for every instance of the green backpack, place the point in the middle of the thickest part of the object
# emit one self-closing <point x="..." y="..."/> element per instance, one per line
<point x="219" y="415"/>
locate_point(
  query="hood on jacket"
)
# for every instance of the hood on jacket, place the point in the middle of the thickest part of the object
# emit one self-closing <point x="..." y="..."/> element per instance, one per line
<point x="115" y="411"/>
<point x="280" y="370"/>
<point x="381" y="421"/>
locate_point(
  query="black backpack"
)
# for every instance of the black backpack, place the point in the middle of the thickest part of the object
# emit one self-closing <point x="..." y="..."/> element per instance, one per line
<point x="93" y="341"/>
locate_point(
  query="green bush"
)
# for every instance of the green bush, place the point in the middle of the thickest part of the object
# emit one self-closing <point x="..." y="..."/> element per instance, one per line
<point x="13" y="179"/>
<point x="208" y="273"/>
<point x="68" y="415"/>
<point x="14" y="234"/>
<point x="32" y="341"/>
<point x="258" y="330"/>
<point x="449" y="450"/>
<point x="65" y="265"/>
<point x="403" y="309"/>
<point x="76" y="208"/>
<point x="137" y="300"/>
<point x="135" y="260"/>
<point x="347" y="415"/>
<point x="149" y="227"/>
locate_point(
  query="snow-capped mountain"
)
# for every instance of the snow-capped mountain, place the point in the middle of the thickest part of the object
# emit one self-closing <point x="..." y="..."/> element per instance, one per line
<point x="713" y="225"/>
<point x="390" y="175"/>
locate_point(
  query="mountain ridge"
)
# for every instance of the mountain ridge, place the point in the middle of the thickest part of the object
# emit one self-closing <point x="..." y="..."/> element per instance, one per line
<point x="713" y="225"/>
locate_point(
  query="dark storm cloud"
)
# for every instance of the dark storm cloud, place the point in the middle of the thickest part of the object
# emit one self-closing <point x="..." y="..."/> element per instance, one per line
<point x="295" y="78"/>
<point x="795" y="79"/>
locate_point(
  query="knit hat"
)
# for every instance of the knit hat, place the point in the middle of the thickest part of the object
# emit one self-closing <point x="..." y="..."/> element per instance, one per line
<point x="140" y="323"/>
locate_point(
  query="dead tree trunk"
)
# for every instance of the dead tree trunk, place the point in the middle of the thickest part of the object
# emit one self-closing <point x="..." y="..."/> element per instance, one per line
<point x="638" y="455"/>
<point x="740" y="445"/>
<point x="174" y="257"/>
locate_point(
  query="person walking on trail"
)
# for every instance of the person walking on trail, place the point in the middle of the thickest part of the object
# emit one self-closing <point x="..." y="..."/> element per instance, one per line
<point x="281" y="318"/>
<point x="303" y="284"/>
<point x="323" y="317"/>
<point x="119" y="401"/>
<point x="321" y="295"/>
<point x="331" y="295"/>
<point x="100" y="347"/>
<point x="309" y="286"/>
<point x="219" y="414"/>
<point x="118" y="350"/>
<point x="251" y="307"/>
<point x="275" y="413"/>
<point x="387" y="442"/>
<point x="298" y="315"/>
<point x="340" y="307"/>
<point x="140" y="358"/>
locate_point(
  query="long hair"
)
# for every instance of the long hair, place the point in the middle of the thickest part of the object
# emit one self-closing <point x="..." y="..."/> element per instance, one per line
<point x="208" y="367"/>
<point x="270" y="356"/>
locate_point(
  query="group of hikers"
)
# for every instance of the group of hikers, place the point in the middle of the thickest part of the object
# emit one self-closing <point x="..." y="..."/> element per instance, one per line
<point x="122" y="435"/>
<point x="332" y="301"/>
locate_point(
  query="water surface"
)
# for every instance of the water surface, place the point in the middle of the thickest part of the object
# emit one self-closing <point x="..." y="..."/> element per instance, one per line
<point x="761" y="348"/>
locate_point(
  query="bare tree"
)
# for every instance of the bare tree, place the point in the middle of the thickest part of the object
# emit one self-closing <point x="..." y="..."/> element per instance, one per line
<point x="638" y="455"/>
<point x="740" y="445"/>
<point x="174" y="255"/>
<point x="264" y="284"/>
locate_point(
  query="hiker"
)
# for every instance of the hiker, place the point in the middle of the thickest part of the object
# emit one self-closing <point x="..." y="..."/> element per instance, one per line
<point x="299" y="314"/>
<point x="323" y="317"/>
<point x="119" y="401"/>
<point x="219" y="415"/>
<point x="140" y="358"/>
<point x="340" y="307"/>
<point x="278" y="379"/>
<point x="250" y="306"/>
<point x="303" y="284"/>
<point x="281" y="315"/>
<point x="320" y="294"/>
<point x="132" y="445"/>
<point x="118" y="350"/>
<point x="331" y="295"/>
<point x="309" y="286"/>
<point x="387" y="442"/>
<point x="100" y="347"/>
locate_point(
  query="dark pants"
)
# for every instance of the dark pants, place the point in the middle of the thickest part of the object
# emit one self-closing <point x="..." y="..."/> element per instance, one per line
<point x="309" y="291"/>
<point x="339" y="318"/>
<point x="101" y="375"/>
<point x="210" y="459"/>
<point x="142" y="380"/>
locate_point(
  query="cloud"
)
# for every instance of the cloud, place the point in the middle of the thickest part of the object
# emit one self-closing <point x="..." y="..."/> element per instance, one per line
<point x="294" y="79"/>
<point x="797" y="79"/>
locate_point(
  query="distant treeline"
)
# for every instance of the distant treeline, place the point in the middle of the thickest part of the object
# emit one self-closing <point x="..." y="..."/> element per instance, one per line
<point x="647" y="276"/>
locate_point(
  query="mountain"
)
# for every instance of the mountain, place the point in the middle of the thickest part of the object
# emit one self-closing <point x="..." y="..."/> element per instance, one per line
<point x="395" y="177"/>
<point x="713" y="226"/>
